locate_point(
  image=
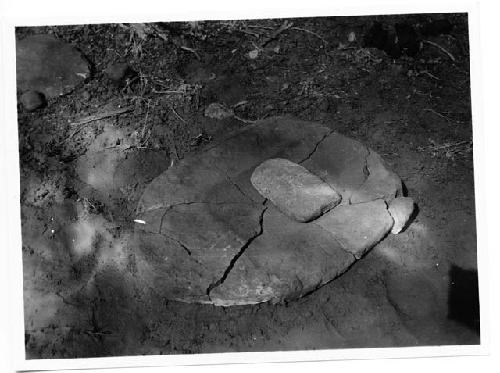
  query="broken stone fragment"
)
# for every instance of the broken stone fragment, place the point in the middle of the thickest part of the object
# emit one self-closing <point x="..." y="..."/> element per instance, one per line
<point x="48" y="65"/>
<point x="32" y="100"/>
<point x="401" y="209"/>
<point x="296" y="192"/>
<point x="358" y="227"/>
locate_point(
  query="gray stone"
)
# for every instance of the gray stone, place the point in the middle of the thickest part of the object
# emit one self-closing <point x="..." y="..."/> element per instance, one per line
<point x="32" y="100"/>
<point x="118" y="71"/>
<point x="218" y="111"/>
<point x="380" y="183"/>
<point x="295" y="191"/>
<point x="48" y="65"/>
<point x="401" y="209"/>
<point x="287" y="261"/>
<point x="358" y="227"/>
<point x="341" y="162"/>
<point x="206" y="235"/>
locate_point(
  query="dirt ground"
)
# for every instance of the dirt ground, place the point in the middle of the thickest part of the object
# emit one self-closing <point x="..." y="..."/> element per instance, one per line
<point x="80" y="183"/>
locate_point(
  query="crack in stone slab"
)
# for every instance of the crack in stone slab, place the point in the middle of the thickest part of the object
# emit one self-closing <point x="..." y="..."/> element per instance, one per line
<point x="235" y="258"/>
<point x="316" y="146"/>
<point x="186" y="249"/>
<point x="342" y="246"/>
<point x="367" y="173"/>
<point x="233" y="183"/>
<point x="170" y="207"/>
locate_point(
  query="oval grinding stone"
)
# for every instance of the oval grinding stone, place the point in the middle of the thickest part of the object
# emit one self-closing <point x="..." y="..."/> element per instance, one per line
<point x="296" y="192"/>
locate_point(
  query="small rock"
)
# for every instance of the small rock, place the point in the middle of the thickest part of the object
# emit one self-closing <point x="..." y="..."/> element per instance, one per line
<point x="86" y="95"/>
<point x="32" y="100"/>
<point x="118" y="71"/>
<point x="400" y="209"/>
<point x="253" y="54"/>
<point x="293" y="189"/>
<point x="218" y="111"/>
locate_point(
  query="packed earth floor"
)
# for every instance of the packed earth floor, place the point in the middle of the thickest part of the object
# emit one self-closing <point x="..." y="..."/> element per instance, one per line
<point x="156" y="93"/>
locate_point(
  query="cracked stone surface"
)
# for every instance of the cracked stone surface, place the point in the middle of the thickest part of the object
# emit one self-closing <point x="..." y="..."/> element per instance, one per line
<point x="48" y="65"/>
<point x="296" y="192"/>
<point x="210" y="237"/>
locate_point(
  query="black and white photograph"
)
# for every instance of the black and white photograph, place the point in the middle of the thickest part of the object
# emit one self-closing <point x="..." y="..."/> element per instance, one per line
<point x="247" y="185"/>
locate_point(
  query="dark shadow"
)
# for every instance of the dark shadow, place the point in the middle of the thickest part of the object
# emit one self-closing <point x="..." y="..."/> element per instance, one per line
<point x="463" y="297"/>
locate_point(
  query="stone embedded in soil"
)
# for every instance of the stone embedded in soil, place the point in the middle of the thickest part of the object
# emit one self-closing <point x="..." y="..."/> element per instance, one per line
<point x="32" y="100"/>
<point x="118" y="71"/>
<point x="48" y="65"/>
<point x="218" y="111"/>
<point x="295" y="191"/>
<point x="358" y="227"/>
<point x="401" y="209"/>
<point x="210" y="237"/>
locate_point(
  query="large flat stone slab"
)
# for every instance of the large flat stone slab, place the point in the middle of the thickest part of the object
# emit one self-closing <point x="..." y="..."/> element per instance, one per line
<point x="296" y="192"/>
<point x="48" y="65"/>
<point x="208" y="236"/>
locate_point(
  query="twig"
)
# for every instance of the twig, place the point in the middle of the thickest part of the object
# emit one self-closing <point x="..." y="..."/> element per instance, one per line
<point x="82" y="123"/>
<point x="143" y="131"/>
<point x="429" y="74"/>
<point x="310" y="32"/>
<point x="441" y="48"/>
<point x="441" y="115"/>
<point x="161" y="35"/>
<point x="167" y="92"/>
<point x="191" y="50"/>
<point x="259" y="26"/>
<point x="177" y="115"/>
<point x="450" y="145"/>
<point x="285" y="26"/>
<point x="244" y="120"/>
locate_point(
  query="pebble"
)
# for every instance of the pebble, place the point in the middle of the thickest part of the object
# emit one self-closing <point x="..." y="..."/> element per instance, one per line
<point x="32" y="100"/>
<point x="86" y="95"/>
